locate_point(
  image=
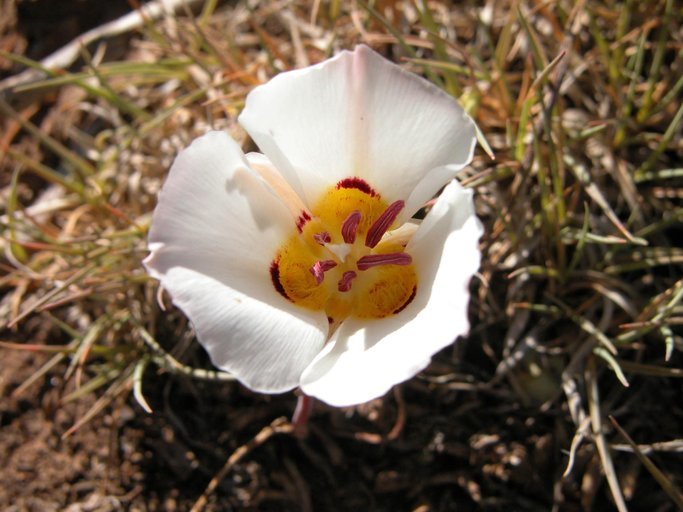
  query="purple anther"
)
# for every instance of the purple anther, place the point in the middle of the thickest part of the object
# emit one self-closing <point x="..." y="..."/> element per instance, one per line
<point x="350" y="226"/>
<point x="392" y="258"/>
<point x="320" y="267"/>
<point x="383" y="222"/>
<point x="344" y="284"/>
<point x="302" y="219"/>
<point x="322" y="238"/>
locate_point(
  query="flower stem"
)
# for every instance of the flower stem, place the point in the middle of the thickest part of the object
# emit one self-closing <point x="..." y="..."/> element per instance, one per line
<point x="304" y="406"/>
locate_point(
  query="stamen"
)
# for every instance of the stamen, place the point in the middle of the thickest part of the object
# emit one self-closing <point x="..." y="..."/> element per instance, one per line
<point x="322" y="238"/>
<point x="350" y="226"/>
<point x="303" y="218"/>
<point x="320" y="267"/>
<point x="383" y="222"/>
<point x="344" y="284"/>
<point x="392" y="258"/>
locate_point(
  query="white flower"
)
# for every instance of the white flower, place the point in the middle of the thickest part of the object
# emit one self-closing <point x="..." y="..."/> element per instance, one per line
<point x="300" y="266"/>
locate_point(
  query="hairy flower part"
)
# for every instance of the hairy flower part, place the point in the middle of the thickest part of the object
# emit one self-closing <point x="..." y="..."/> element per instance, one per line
<point x="375" y="279"/>
<point x="300" y="267"/>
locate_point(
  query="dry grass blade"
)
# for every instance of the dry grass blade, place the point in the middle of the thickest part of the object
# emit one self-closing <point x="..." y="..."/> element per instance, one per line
<point x="664" y="446"/>
<point x="278" y="426"/>
<point x="650" y="369"/>
<point x="66" y="55"/>
<point x="612" y="363"/>
<point x="81" y="165"/>
<point x="77" y="276"/>
<point x="595" y="411"/>
<point x="137" y="384"/>
<point x="15" y="248"/>
<point x="120" y="384"/>
<point x="399" y="38"/>
<point x="587" y="326"/>
<point x="599" y="198"/>
<point x="656" y="473"/>
<point x="664" y="142"/>
<point x="44" y="370"/>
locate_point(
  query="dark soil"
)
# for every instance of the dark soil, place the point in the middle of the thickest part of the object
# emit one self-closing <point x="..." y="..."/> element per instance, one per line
<point x="458" y="450"/>
<point x="126" y="458"/>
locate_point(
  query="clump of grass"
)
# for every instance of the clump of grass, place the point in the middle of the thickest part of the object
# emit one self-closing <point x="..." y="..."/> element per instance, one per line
<point x="578" y="303"/>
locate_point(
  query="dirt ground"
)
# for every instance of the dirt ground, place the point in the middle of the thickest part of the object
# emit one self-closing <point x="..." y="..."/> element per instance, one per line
<point x="127" y="459"/>
<point x="458" y="450"/>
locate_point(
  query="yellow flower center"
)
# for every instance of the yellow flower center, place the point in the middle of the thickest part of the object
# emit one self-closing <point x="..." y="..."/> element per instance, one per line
<point x="338" y="261"/>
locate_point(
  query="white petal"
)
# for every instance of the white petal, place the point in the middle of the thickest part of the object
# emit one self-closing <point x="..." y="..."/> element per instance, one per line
<point x="214" y="233"/>
<point x="261" y="164"/>
<point x="358" y="114"/>
<point x="364" y="359"/>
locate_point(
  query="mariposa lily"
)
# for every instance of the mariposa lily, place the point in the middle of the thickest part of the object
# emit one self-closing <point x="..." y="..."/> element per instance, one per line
<point x="301" y="266"/>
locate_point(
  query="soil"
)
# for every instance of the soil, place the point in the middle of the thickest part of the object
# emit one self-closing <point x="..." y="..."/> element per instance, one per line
<point x="458" y="450"/>
<point x="125" y="459"/>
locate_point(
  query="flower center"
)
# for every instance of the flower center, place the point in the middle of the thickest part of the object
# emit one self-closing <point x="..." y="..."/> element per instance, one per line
<point x="339" y="260"/>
